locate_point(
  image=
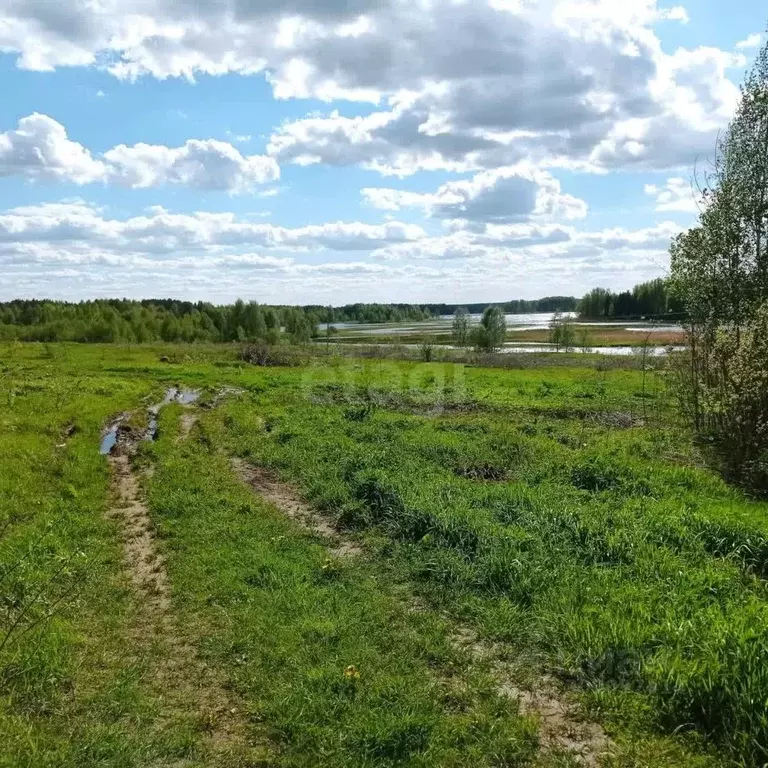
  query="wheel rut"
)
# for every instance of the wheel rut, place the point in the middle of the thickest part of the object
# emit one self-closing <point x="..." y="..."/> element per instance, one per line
<point x="287" y="499"/>
<point x="562" y="728"/>
<point x="187" y="686"/>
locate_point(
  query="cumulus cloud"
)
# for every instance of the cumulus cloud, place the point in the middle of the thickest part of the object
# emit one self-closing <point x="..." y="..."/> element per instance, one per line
<point x="171" y="38"/>
<point x="676" y="195"/>
<point x="475" y="84"/>
<point x="504" y="90"/>
<point x="753" y="41"/>
<point x="486" y="85"/>
<point x="638" y="108"/>
<point x="498" y="242"/>
<point x="161" y="232"/>
<point x="504" y="195"/>
<point x="207" y="164"/>
<point x="40" y="150"/>
<point x="74" y="249"/>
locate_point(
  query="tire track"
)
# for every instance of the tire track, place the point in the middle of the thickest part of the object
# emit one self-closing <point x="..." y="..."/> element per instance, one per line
<point x="187" y="685"/>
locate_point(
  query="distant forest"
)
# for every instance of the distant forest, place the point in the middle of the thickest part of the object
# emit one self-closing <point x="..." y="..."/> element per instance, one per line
<point x="516" y="307"/>
<point x="653" y="300"/>
<point x="122" y="320"/>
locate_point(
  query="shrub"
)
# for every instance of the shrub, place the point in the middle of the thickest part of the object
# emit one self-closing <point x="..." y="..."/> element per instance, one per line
<point x="264" y="354"/>
<point x="491" y="334"/>
<point x="725" y="390"/>
<point x="562" y="333"/>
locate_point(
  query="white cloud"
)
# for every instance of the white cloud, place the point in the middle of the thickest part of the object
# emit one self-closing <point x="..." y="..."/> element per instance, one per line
<point x="504" y="90"/>
<point x="40" y="150"/>
<point x="475" y="85"/>
<point x="637" y="108"/>
<point x="80" y="225"/>
<point x="239" y="138"/>
<point x="76" y="250"/>
<point x="753" y="41"/>
<point x="207" y="164"/>
<point x="536" y="243"/>
<point x="504" y="195"/>
<point x="677" y="13"/>
<point x="676" y="195"/>
<point x="559" y="83"/>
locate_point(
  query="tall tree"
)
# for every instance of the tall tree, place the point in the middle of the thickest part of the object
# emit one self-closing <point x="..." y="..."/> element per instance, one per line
<point x="491" y="334"/>
<point x="461" y="327"/>
<point x="720" y="271"/>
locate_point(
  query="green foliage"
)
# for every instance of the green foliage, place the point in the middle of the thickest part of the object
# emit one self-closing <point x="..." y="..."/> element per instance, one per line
<point x="732" y="399"/>
<point x="427" y="351"/>
<point x="515" y="307"/>
<point x="503" y="500"/>
<point x="372" y="313"/>
<point x="562" y="333"/>
<point x="652" y="299"/>
<point x="264" y="354"/>
<point x="491" y="333"/>
<point x="720" y="272"/>
<point x="285" y="623"/>
<point x="179" y="321"/>
<point x="69" y="693"/>
<point x="560" y="536"/>
<point x="462" y="327"/>
<point x="720" y="267"/>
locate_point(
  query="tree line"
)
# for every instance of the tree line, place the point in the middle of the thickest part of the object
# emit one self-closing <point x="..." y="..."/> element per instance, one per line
<point x="129" y="321"/>
<point x="654" y="299"/>
<point x="171" y="320"/>
<point x="120" y="320"/>
<point x="515" y="307"/>
<point x="719" y="269"/>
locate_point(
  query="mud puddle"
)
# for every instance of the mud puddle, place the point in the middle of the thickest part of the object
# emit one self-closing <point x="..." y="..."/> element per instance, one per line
<point x="109" y="439"/>
<point x="173" y="395"/>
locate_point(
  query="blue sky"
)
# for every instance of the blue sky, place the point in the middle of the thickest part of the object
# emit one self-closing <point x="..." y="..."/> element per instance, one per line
<point x="330" y="151"/>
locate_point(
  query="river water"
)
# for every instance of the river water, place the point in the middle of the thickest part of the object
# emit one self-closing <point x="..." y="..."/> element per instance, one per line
<point x="529" y="322"/>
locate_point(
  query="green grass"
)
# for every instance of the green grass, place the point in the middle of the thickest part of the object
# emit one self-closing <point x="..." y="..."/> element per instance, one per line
<point x="286" y="622"/>
<point x="586" y="548"/>
<point x="557" y="511"/>
<point x="66" y="699"/>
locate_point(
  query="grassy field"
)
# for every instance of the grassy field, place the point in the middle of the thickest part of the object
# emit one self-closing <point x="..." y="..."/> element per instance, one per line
<point x="502" y="567"/>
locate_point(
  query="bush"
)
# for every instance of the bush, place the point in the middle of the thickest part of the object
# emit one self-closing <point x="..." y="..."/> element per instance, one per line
<point x="724" y="388"/>
<point x="427" y="352"/>
<point x="562" y="333"/>
<point x="264" y="354"/>
<point x="491" y="334"/>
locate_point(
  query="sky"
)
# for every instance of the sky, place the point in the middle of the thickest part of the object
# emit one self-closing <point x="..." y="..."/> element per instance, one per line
<point x="335" y="151"/>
